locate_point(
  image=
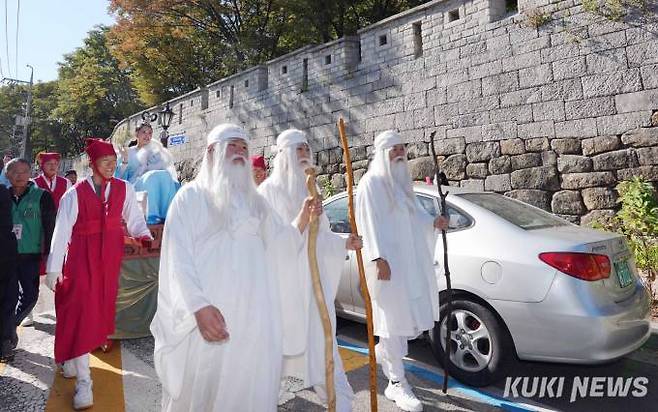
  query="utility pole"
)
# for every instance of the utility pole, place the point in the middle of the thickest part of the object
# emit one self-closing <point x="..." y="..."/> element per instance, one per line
<point x="26" y="145"/>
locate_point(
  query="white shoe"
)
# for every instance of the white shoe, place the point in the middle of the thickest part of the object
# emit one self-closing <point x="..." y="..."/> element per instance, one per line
<point x="84" y="396"/>
<point x="284" y="394"/>
<point x="68" y="370"/>
<point x="28" y="321"/>
<point x="402" y="395"/>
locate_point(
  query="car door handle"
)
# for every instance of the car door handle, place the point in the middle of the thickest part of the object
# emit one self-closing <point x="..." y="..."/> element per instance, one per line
<point x="347" y="257"/>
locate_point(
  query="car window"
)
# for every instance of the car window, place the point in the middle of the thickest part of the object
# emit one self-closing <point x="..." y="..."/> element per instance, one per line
<point x="515" y="212"/>
<point x="337" y="214"/>
<point x="428" y="204"/>
<point x="456" y="219"/>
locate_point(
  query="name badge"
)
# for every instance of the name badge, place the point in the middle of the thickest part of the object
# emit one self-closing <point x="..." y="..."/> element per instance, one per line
<point x="18" y="231"/>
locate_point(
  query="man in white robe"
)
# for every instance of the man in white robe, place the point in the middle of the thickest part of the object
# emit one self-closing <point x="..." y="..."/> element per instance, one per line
<point x="286" y="190"/>
<point x="218" y="329"/>
<point x="398" y="237"/>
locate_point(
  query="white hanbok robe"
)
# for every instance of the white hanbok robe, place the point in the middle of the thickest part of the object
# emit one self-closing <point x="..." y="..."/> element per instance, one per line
<point x="234" y="270"/>
<point x="408" y="303"/>
<point x="300" y="299"/>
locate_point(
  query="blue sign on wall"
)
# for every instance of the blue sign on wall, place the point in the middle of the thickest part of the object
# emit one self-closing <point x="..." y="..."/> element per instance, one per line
<point x="177" y="139"/>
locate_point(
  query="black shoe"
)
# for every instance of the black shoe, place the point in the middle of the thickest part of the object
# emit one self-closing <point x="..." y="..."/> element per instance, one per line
<point x="6" y="351"/>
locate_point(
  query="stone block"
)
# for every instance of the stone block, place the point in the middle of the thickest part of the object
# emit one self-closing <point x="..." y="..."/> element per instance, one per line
<point x="525" y="161"/>
<point x="581" y="109"/>
<point x="544" y="178"/>
<point x="607" y="61"/>
<point x="574" y="164"/>
<point x="576" y="128"/>
<point x="498" y="183"/>
<point x="649" y="76"/>
<point x="338" y="181"/>
<point x="610" y="84"/>
<point x="456" y="145"/>
<point x="648" y="172"/>
<point x="599" y="198"/>
<point x="566" y="146"/>
<point x="512" y="147"/>
<point x="618" y="159"/>
<point x="598" y="216"/>
<point x="475" y="185"/>
<point x="569" y="68"/>
<point x="567" y="202"/>
<point x="476" y="170"/>
<point x="501" y="83"/>
<point x="638" y="101"/>
<point x="499" y="131"/>
<point x="518" y="114"/>
<point x="500" y="165"/>
<point x="537" y="129"/>
<point x="482" y="151"/>
<point x="642" y="53"/>
<point x="565" y="90"/>
<point x="648" y="156"/>
<point x="621" y="123"/>
<point x="454" y="167"/>
<point x="421" y="167"/>
<point x="600" y="144"/>
<point x="537" y="198"/>
<point x="642" y="137"/>
<point x="418" y="149"/>
<point x="535" y="76"/>
<point x="548" y="111"/>
<point x="549" y="158"/>
<point x="537" y="144"/>
<point x="521" y="97"/>
<point x="464" y="91"/>
<point x="585" y="180"/>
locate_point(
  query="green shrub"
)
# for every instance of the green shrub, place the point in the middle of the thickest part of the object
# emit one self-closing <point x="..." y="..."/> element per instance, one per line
<point x="637" y="220"/>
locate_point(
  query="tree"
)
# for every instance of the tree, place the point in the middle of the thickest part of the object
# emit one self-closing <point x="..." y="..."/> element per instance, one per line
<point x="175" y="46"/>
<point x="92" y="93"/>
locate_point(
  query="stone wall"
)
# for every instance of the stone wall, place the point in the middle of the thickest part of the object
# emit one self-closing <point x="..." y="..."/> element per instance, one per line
<point x="554" y="115"/>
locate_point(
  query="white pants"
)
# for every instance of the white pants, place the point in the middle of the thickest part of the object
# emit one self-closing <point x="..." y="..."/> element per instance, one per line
<point x="389" y="352"/>
<point x="81" y="365"/>
<point x="344" y="391"/>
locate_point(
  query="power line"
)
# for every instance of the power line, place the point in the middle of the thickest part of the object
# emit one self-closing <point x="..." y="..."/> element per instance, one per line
<point x="7" y="40"/>
<point x="18" y="12"/>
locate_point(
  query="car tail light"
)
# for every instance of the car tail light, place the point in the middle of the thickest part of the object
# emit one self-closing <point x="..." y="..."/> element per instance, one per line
<point x="585" y="266"/>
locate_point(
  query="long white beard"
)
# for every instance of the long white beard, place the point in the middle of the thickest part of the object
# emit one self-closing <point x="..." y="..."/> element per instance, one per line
<point x="289" y="174"/>
<point x="297" y="189"/>
<point x="401" y="180"/>
<point x="232" y="188"/>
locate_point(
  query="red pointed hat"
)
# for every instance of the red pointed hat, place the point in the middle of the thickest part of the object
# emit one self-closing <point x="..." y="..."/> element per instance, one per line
<point x="258" y="161"/>
<point x="97" y="148"/>
<point x="43" y="157"/>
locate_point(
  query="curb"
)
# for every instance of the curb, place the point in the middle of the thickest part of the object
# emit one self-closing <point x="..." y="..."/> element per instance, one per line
<point x="654" y="328"/>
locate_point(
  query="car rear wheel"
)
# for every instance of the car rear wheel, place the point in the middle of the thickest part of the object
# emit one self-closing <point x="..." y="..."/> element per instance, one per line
<point x="481" y="349"/>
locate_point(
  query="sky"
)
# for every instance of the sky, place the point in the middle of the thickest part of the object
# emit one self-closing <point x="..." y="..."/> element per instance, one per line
<point x="47" y="29"/>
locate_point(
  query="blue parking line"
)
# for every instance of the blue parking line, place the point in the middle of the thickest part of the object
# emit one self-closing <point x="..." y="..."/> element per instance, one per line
<point x="434" y="377"/>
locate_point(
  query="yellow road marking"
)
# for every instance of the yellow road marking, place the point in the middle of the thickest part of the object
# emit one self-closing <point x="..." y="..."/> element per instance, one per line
<point x="352" y="360"/>
<point x="107" y="375"/>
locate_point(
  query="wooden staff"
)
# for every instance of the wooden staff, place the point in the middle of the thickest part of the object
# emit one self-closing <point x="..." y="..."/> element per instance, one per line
<point x="314" y="225"/>
<point x="362" y="274"/>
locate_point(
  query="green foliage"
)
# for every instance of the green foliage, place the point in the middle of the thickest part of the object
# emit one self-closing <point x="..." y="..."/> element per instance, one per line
<point x="638" y="221"/>
<point x="93" y="93"/>
<point x="173" y="47"/>
<point x="613" y="10"/>
<point x="327" y="189"/>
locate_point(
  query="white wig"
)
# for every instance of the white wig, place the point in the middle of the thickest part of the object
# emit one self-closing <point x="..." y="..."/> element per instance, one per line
<point x="288" y="173"/>
<point x="396" y="177"/>
<point x="225" y="182"/>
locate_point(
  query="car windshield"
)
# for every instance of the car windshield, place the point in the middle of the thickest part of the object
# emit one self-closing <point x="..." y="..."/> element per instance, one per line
<point x="515" y="212"/>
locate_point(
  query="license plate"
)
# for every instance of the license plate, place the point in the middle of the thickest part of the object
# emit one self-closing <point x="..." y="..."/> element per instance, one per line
<point x="623" y="273"/>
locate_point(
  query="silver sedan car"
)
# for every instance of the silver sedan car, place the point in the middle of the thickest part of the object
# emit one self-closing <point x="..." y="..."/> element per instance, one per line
<point x="526" y="285"/>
